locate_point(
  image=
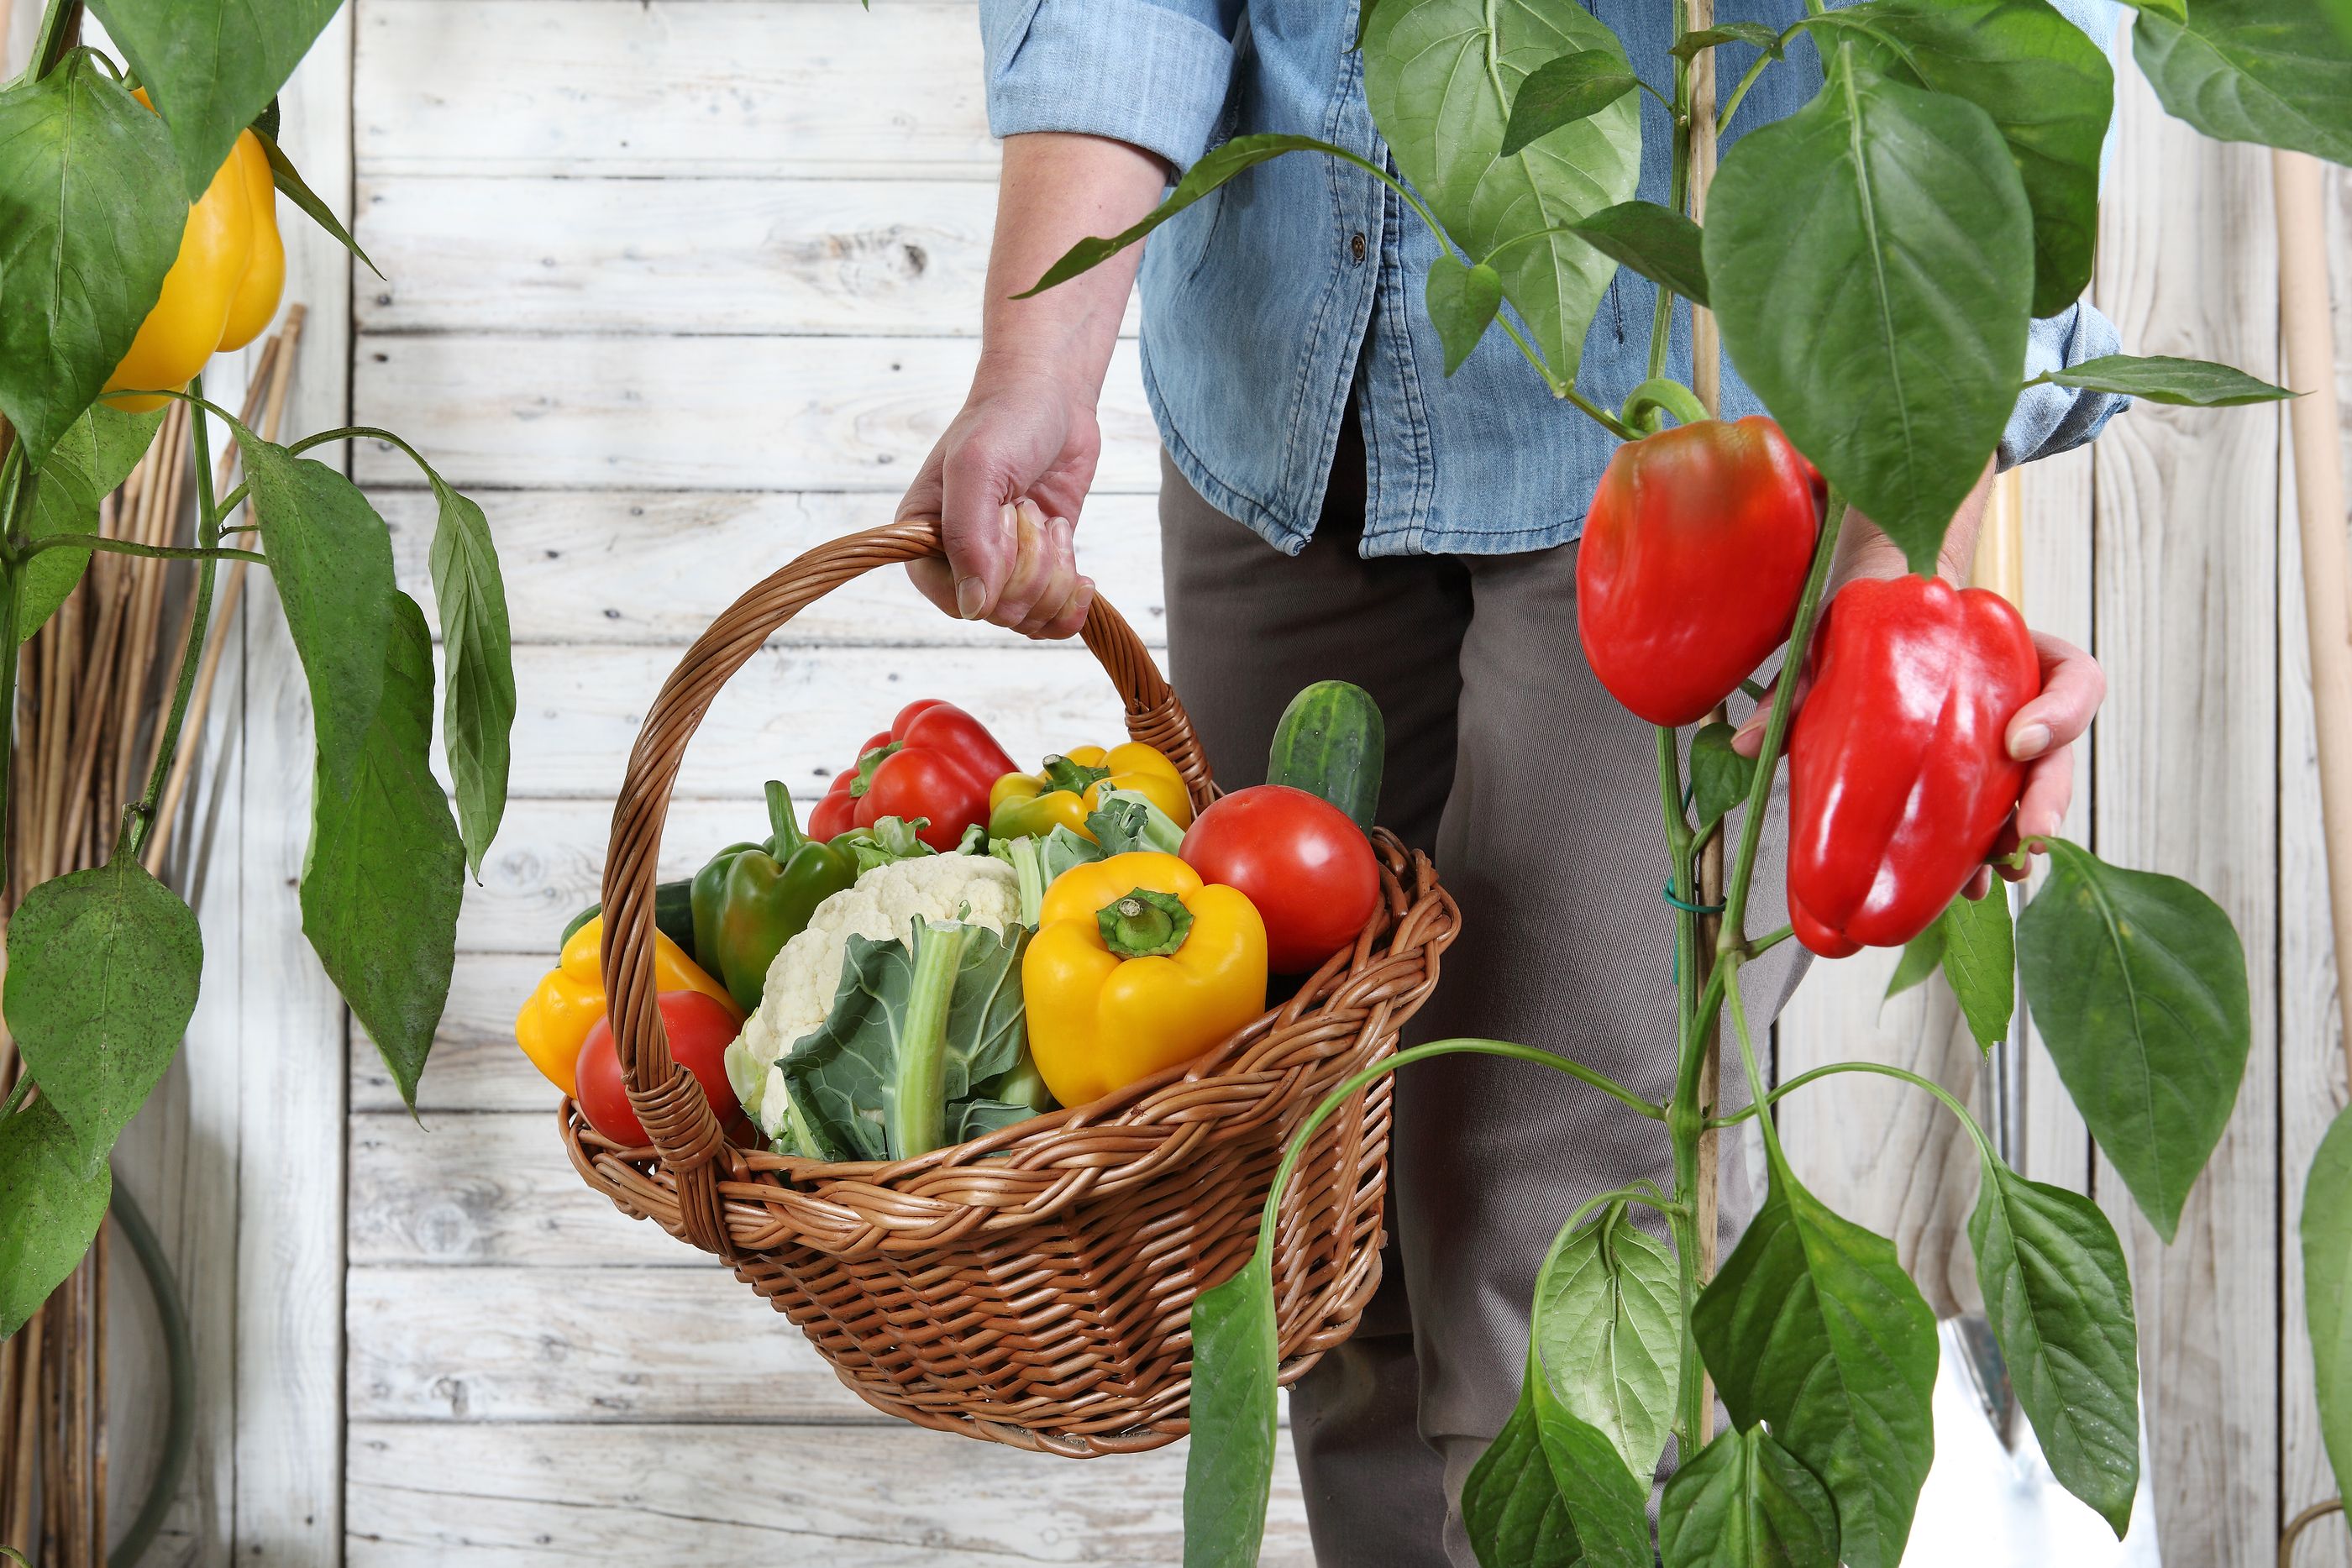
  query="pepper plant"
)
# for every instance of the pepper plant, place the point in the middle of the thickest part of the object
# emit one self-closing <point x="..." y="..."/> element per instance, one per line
<point x="1873" y="262"/>
<point x="96" y="193"/>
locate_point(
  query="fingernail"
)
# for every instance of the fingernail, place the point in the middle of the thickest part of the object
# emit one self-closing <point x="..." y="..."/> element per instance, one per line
<point x="2030" y="742"/>
<point x="1006" y="514"/>
<point x="972" y="596"/>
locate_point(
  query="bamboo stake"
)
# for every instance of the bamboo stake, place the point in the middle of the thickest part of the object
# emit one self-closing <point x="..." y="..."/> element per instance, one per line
<point x="2305" y="322"/>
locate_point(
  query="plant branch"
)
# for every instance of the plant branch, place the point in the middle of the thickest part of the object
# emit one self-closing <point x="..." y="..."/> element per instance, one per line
<point x="140" y="820"/>
<point x="60" y="26"/>
<point x="1951" y="1101"/>
<point x="113" y="546"/>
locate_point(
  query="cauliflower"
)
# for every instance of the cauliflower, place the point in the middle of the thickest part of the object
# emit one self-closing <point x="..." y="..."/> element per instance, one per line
<point x="798" y="989"/>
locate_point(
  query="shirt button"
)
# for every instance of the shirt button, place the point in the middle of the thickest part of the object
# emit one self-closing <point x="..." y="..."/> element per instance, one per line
<point x="1356" y="249"/>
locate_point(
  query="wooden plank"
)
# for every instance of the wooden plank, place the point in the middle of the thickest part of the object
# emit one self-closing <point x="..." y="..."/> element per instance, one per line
<point x="722" y="256"/>
<point x="2187" y="614"/>
<point x="487" y="1188"/>
<point x="610" y="1344"/>
<point x="2311" y="1043"/>
<point x="289" y="1323"/>
<point x="475" y="1065"/>
<point x="732" y="413"/>
<point x="649" y="566"/>
<point x="683" y="87"/>
<point x="799" y="715"/>
<point x="718" y="1497"/>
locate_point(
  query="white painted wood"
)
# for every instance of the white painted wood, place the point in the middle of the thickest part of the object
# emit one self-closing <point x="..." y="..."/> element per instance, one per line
<point x="718" y="1497"/>
<point x="655" y="567"/>
<point x="684" y="87"/>
<point x="2188" y="605"/>
<point x="475" y="1065"/>
<point x="799" y="714"/>
<point x="776" y="413"/>
<point x="291" y="1071"/>
<point x="720" y="255"/>
<point x="2311" y="1045"/>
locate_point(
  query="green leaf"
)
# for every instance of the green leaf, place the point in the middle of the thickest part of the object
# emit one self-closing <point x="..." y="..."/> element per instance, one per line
<point x="1607" y="1332"/>
<point x="1980" y="961"/>
<point x="1747" y="1502"/>
<point x="1511" y="1506"/>
<point x="1462" y="305"/>
<point x="1753" y="32"/>
<point x="1559" y="92"/>
<point x="211" y="65"/>
<point x="1657" y="242"/>
<point x="2138" y="984"/>
<point x="1219" y="164"/>
<point x="53" y="1192"/>
<point x="2160" y="378"/>
<point x="89" y="223"/>
<point x="2059" y="1299"/>
<point x="1870" y="259"/>
<point x="2176" y="9"/>
<point x="1608" y="1504"/>
<point x="1229" y="1473"/>
<point x="1921" y="956"/>
<point x="2326" y="1290"/>
<point x="385" y="868"/>
<point x="1814" y="1326"/>
<point x="331" y="559"/>
<point x="103" y="966"/>
<point x="289" y="180"/>
<point x="477" y="708"/>
<point x="2050" y="92"/>
<point x="899" y="1029"/>
<point x="2271" y="71"/>
<point x="1441" y="80"/>
<point x="1720" y="777"/>
<point x="96" y="453"/>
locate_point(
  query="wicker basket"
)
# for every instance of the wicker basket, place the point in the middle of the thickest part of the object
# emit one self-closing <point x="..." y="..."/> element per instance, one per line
<point x="1034" y="1287"/>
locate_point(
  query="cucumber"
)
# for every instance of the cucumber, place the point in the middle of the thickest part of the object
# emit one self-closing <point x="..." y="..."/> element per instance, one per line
<point x="1331" y="742"/>
<point x="673" y="915"/>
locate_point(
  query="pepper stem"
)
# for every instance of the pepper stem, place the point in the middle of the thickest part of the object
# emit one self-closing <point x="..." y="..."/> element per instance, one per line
<point x="1144" y="924"/>
<point x="1061" y="773"/>
<point x="786" y="826"/>
<point x="865" y="766"/>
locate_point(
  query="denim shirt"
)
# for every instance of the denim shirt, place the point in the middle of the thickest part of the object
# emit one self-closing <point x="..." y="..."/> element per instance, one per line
<point x="1266" y="304"/>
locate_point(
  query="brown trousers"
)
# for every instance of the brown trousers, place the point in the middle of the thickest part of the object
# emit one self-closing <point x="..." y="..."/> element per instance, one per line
<point x="1538" y="796"/>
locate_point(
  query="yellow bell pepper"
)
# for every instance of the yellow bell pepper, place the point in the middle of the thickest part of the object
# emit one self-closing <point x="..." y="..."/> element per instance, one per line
<point x="555" y="1019"/>
<point x="1069" y="786"/>
<point x="1137" y="967"/>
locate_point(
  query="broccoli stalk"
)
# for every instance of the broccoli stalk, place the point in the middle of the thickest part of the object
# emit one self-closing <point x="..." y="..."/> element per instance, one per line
<point x="917" y="1117"/>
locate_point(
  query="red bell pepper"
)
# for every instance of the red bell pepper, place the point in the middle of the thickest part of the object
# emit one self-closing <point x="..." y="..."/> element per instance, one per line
<point x="1693" y="557"/>
<point x="1899" y="774"/>
<point x="935" y="761"/>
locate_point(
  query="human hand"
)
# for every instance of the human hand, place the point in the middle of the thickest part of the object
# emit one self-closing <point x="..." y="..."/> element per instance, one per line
<point x="1007" y="481"/>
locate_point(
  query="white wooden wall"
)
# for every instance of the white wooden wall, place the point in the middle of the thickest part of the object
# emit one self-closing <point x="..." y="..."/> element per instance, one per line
<point x="678" y="288"/>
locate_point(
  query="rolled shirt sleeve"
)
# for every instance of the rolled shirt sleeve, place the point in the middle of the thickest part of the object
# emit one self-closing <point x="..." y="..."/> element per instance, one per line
<point x="1151" y="72"/>
<point x="2049" y="420"/>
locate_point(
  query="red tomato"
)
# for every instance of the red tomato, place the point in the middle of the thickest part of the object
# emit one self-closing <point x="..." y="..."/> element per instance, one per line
<point x="1297" y="857"/>
<point x="700" y="1031"/>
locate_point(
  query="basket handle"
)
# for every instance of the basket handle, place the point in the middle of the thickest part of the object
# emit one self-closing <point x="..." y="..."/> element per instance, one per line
<point x="667" y="1099"/>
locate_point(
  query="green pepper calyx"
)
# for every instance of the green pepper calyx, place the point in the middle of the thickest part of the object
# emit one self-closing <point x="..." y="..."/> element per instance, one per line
<point x="868" y="764"/>
<point x="1061" y="773"/>
<point x="1144" y="925"/>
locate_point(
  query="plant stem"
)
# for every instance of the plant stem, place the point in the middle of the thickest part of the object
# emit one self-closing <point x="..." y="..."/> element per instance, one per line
<point x="113" y="546"/>
<point x="1667" y="393"/>
<point x="140" y="820"/>
<point x="1747" y="1052"/>
<point x="11" y="655"/>
<point x="60" y="23"/>
<point x="1951" y="1101"/>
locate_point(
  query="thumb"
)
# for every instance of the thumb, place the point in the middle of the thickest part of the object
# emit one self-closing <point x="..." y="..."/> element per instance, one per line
<point x="976" y="525"/>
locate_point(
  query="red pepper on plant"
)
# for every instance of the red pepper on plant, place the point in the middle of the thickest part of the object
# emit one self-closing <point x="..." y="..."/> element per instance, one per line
<point x="1900" y="780"/>
<point x="935" y="761"/>
<point x="1693" y="559"/>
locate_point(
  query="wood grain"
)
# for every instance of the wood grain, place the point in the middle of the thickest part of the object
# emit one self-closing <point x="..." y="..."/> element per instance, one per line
<point x="651" y="567"/>
<point x="2188" y="605"/>
<point x="721" y="1496"/>
<point x="692" y="413"/>
<point x="683" y="87"/>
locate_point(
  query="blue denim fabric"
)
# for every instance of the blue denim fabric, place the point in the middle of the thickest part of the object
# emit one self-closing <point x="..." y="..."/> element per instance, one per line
<point x="1267" y="302"/>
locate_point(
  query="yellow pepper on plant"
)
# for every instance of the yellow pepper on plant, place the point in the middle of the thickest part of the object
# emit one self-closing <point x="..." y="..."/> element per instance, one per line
<point x="1071" y="786"/>
<point x="1136" y="965"/>
<point x="556" y="1018"/>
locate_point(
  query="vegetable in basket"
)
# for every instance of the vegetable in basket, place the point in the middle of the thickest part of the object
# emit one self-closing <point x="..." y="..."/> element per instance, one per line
<point x="673" y="915"/>
<point x="1332" y="742"/>
<point x="935" y="761"/>
<point x="803" y="982"/>
<point x="750" y="899"/>
<point x="1300" y="859"/>
<point x="1136" y="965"/>
<point x="699" y="1027"/>
<point x="1072" y="787"/>
<point x="569" y="999"/>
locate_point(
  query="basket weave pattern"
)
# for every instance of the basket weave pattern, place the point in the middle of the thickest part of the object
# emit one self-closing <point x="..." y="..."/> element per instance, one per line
<point x="1034" y="1287"/>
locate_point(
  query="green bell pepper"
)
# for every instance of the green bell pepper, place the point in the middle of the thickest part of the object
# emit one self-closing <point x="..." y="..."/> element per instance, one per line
<point x="751" y="899"/>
